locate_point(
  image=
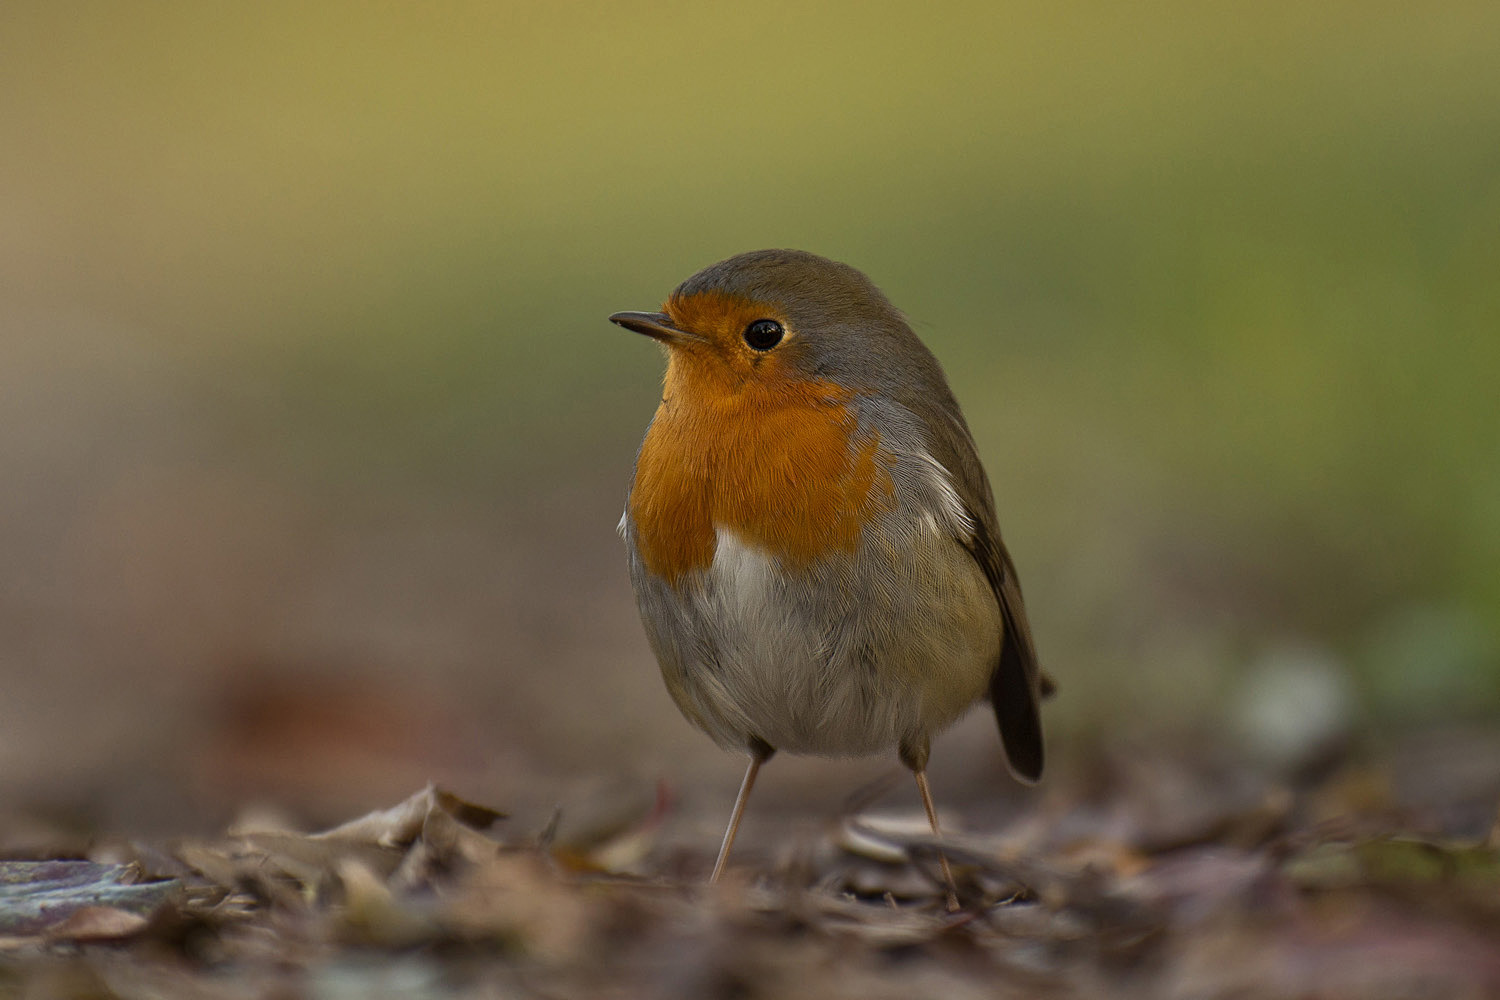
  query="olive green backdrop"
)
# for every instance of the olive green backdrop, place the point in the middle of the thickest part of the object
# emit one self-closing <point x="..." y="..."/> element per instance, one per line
<point x="304" y="372"/>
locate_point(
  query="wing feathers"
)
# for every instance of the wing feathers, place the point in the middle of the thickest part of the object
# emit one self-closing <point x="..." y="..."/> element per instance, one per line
<point x="1017" y="685"/>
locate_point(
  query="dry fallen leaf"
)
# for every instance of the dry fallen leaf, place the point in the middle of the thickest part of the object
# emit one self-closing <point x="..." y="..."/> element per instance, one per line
<point x="97" y="923"/>
<point x="401" y="824"/>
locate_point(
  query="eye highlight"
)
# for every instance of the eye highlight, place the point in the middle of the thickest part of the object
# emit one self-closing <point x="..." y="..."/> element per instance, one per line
<point x="764" y="334"/>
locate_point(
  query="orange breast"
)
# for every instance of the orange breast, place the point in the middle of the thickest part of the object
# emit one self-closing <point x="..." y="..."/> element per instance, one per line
<point x="774" y="461"/>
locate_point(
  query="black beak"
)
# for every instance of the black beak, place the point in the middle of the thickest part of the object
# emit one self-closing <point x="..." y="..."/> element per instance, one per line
<point x="656" y="325"/>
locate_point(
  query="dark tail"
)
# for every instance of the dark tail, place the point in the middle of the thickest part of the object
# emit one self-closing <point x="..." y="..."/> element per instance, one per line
<point x="1017" y="712"/>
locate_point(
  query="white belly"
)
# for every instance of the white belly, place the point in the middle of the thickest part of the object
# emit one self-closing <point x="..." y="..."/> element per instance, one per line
<point x="848" y="657"/>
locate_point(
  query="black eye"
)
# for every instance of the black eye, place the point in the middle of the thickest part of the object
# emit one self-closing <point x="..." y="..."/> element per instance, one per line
<point x="763" y="334"/>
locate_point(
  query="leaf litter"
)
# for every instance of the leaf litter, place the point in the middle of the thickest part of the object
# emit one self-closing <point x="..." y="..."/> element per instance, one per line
<point x="1172" y="881"/>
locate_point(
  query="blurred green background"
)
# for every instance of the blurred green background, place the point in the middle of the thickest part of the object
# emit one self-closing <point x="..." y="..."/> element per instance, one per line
<point x="314" y="435"/>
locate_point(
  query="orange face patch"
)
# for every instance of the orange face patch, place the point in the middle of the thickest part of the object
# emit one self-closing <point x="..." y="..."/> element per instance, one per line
<point x="720" y="320"/>
<point x="743" y="440"/>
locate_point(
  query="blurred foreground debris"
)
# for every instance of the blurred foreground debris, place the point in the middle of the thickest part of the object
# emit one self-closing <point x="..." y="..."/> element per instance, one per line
<point x="1173" y="883"/>
<point x="43" y="901"/>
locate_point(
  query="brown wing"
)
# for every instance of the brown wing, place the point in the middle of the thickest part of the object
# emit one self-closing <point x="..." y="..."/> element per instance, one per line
<point x="1017" y="685"/>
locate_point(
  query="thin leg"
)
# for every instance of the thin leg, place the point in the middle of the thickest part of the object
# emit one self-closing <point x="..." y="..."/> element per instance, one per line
<point x="937" y="833"/>
<point x="739" y="810"/>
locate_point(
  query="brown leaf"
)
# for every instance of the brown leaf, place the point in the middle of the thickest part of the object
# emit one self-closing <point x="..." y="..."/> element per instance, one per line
<point x="97" y="923"/>
<point x="401" y="824"/>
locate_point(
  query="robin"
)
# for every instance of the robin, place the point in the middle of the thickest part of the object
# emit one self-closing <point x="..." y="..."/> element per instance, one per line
<point x="811" y="536"/>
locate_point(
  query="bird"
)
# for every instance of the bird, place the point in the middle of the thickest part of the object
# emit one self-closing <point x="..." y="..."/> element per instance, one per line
<point x="810" y="535"/>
